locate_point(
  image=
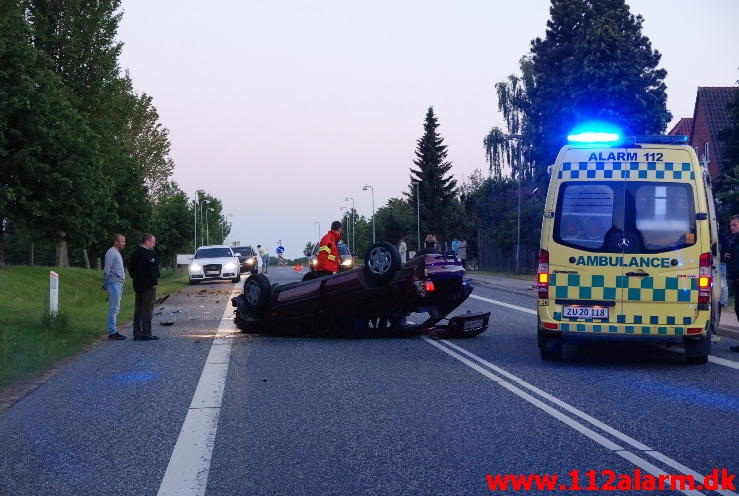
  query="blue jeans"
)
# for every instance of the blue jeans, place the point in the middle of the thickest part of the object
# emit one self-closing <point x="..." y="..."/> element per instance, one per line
<point x="115" y="291"/>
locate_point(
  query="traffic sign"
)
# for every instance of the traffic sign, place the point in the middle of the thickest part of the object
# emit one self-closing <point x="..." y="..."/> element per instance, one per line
<point x="280" y="249"/>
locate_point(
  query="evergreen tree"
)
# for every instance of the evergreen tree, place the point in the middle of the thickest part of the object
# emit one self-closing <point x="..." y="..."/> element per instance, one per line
<point x="437" y="188"/>
<point x="593" y="64"/>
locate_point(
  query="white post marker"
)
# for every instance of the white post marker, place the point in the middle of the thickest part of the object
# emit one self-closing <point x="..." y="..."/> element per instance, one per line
<point x="53" y="293"/>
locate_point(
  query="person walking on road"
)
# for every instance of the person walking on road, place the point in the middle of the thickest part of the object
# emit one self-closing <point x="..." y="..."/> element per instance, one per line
<point x="731" y="257"/>
<point x="264" y="255"/>
<point x="114" y="276"/>
<point x="144" y="269"/>
<point x="403" y="249"/>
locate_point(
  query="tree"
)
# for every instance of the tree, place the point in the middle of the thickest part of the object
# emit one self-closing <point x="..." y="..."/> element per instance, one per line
<point x="147" y="141"/>
<point x="728" y="185"/>
<point x="395" y="220"/>
<point x="50" y="161"/>
<point x="172" y="222"/>
<point x="511" y="148"/>
<point x="437" y="188"/>
<point x="593" y="64"/>
<point x="309" y="247"/>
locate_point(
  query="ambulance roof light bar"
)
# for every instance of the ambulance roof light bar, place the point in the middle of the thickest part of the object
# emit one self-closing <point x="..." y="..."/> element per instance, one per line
<point x="593" y="137"/>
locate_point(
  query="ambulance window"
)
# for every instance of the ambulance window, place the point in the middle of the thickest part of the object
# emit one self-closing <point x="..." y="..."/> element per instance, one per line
<point x="665" y="215"/>
<point x="585" y="215"/>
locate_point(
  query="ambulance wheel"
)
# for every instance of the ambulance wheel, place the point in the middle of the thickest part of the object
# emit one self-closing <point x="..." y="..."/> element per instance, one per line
<point x="257" y="293"/>
<point x="382" y="261"/>
<point x="696" y="352"/>
<point x="550" y="347"/>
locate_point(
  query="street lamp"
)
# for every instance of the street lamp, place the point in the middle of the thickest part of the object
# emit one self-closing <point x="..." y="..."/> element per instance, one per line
<point x="373" y="209"/>
<point x="201" y="218"/>
<point x="195" y="227"/>
<point x="353" y="217"/>
<point x="345" y="221"/>
<point x="207" y="237"/>
<point x="418" y="213"/>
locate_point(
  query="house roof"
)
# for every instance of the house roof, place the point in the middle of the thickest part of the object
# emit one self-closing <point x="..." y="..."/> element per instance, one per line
<point x="683" y="127"/>
<point x="715" y="101"/>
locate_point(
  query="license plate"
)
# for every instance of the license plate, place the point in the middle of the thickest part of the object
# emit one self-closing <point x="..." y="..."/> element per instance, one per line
<point x="212" y="273"/>
<point x="473" y="324"/>
<point x="586" y="312"/>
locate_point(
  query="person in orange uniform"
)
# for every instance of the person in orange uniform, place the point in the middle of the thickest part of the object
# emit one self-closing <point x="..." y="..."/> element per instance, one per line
<point x="328" y="252"/>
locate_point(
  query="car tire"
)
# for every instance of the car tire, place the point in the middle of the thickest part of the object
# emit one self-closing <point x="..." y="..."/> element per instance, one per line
<point x="193" y="282"/>
<point x="257" y="294"/>
<point x="382" y="261"/>
<point x="550" y="347"/>
<point x="696" y="352"/>
<point x="236" y="279"/>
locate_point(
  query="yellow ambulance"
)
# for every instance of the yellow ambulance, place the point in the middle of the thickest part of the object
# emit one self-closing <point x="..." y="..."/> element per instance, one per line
<point x="629" y="245"/>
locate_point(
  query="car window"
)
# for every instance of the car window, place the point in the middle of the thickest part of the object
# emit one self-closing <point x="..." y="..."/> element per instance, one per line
<point x="244" y="250"/>
<point x="213" y="253"/>
<point x="665" y="215"/>
<point x="658" y="216"/>
<point x="343" y="249"/>
<point x="585" y="214"/>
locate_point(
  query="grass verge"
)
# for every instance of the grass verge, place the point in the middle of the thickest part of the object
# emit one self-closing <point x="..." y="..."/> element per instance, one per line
<point x="30" y="341"/>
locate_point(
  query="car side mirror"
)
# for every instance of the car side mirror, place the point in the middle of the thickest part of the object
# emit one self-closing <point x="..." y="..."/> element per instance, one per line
<point x="237" y="254"/>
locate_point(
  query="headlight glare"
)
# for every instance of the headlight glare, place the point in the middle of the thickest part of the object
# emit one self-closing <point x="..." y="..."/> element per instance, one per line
<point x="229" y="266"/>
<point x="195" y="267"/>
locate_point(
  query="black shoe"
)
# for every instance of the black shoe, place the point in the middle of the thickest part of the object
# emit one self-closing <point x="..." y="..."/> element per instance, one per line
<point x="145" y="338"/>
<point x="116" y="336"/>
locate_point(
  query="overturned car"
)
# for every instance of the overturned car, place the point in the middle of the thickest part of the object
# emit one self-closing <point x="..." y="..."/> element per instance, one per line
<point x="375" y="300"/>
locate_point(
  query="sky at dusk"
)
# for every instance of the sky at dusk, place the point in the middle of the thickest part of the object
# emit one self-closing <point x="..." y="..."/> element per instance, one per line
<point x="284" y="108"/>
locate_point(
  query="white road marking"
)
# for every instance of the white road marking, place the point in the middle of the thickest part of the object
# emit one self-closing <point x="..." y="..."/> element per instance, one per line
<point x="711" y="358"/>
<point x="503" y="304"/>
<point x="187" y="472"/>
<point x="449" y="348"/>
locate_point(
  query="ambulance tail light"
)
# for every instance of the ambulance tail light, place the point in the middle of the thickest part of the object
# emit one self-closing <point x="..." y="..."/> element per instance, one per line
<point x="705" y="280"/>
<point x="542" y="278"/>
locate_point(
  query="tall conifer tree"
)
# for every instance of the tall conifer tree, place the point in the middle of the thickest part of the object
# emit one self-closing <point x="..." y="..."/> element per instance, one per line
<point x="437" y="186"/>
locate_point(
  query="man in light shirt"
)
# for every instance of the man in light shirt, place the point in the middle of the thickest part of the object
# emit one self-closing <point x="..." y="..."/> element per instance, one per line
<point x="114" y="276"/>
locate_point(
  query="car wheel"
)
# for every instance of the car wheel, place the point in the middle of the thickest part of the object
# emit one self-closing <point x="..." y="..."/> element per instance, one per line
<point x="382" y="261"/>
<point x="236" y="279"/>
<point x="194" y="282"/>
<point x="257" y="293"/>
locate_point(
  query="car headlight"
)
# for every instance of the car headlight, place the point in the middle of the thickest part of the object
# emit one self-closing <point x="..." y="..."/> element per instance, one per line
<point x="195" y="267"/>
<point x="250" y="260"/>
<point x="229" y="266"/>
<point x="314" y="261"/>
<point x="347" y="262"/>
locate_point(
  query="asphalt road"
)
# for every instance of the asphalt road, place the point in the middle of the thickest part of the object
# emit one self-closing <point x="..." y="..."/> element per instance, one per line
<point x="259" y="415"/>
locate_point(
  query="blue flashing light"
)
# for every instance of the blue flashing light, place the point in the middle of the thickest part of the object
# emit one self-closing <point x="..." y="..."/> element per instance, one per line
<point x="594" y="137"/>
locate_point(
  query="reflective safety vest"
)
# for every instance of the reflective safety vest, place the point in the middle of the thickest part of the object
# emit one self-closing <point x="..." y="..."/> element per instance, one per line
<point x="328" y="252"/>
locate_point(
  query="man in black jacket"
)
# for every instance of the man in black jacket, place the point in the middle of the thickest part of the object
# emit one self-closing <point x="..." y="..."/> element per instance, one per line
<point x="731" y="257"/>
<point x="144" y="269"/>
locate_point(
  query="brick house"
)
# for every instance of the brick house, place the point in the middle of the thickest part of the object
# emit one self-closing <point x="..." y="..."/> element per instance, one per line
<point x="710" y="117"/>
